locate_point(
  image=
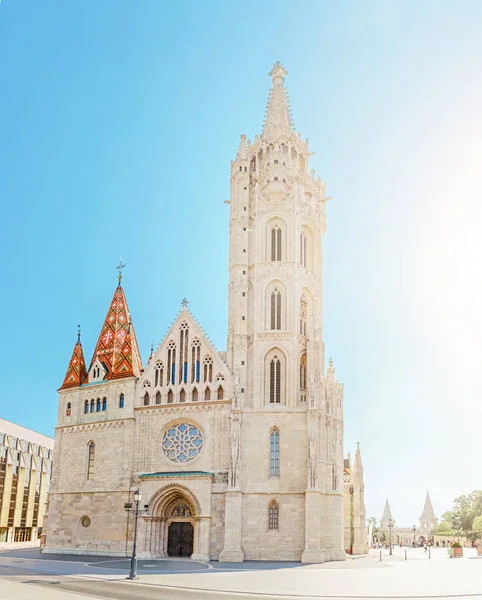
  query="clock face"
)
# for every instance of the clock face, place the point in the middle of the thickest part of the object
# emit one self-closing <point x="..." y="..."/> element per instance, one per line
<point x="182" y="442"/>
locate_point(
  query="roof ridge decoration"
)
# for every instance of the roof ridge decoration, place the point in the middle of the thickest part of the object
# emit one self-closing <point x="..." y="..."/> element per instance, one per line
<point x="278" y="121"/>
<point x="76" y="372"/>
<point x="117" y="347"/>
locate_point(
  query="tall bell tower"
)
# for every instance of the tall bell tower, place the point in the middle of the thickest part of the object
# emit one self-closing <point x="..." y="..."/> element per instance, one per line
<point x="286" y="441"/>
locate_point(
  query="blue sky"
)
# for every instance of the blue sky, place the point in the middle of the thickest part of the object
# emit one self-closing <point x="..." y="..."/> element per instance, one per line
<point x="118" y="121"/>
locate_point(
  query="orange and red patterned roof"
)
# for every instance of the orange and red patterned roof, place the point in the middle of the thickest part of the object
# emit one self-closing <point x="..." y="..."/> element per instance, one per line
<point x="76" y="372"/>
<point x="117" y="347"/>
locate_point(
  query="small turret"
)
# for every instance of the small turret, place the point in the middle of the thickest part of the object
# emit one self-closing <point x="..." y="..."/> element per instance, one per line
<point x="387" y="515"/>
<point x="428" y="520"/>
<point x="76" y="372"/>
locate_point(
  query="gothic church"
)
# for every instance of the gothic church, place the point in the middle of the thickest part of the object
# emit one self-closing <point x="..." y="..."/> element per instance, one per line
<point x="238" y="454"/>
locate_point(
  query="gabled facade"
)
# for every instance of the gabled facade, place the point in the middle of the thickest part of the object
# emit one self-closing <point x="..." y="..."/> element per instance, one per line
<point x="239" y="454"/>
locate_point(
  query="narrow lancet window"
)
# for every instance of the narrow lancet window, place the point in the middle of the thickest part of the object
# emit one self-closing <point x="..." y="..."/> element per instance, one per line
<point x="273" y="517"/>
<point x="274" y="453"/>
<point x="90" y="461"/>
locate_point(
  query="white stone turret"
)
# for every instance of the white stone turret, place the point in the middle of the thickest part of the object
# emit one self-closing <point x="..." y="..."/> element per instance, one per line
<point x="387" y="515"/>
<point x="427" y="520"/>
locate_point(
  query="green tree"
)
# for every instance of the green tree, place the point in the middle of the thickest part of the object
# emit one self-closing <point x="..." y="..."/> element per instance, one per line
<point x="477" y="526"/>
<point x="375" y="525"/>
<point x="444" y="528"/>
<point x="466" y="509"/>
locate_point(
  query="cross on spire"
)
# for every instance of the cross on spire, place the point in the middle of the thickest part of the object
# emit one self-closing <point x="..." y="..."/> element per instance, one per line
<point x="120" y="267"/>
<point x="78" y="334"/>
<point x="184" y="303"/>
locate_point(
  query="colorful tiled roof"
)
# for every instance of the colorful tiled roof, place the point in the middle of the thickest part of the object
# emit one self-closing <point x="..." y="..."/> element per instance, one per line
<point x="117" y="347"/>
<point x="76" y="372"/>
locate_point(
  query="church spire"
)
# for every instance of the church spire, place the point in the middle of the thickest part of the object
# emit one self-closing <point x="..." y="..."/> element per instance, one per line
<point x="243" y="148"/>
<point x="117" y="348"/>
<point x="278" y="122"/>
<point x="358" y="459"/>
<point x="387" y="514"/>
<point x="76" y="370"/>
<point x="428" y="513"/>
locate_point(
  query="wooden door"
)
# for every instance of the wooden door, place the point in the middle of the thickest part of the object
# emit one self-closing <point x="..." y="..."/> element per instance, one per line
<point x="180" y="539"/>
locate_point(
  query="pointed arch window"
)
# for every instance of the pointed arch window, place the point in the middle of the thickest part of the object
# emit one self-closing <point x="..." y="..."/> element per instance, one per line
<point x="303" y="250"/>
<point x="207" y="394"/>
<point x="92" y="405"/>
<point x="273" y="515"/>
<point x="274" y="452"/>
<point x="158" y="376"/>
<point x="121" y="401"/>
<point x="171" y="363"/>
<point x="104" y="403"/>
<point x="276" y="309"/>
<point x="195" y="360"/>
<point x="276" y="243"/>
<point x="303" y="366"/>
<point x="158" y="397"/>
<point x="194" y="395"/>
<point x="208" y="369"/>
<point x="183" y="351"/>
<point x="182" y="396"/>
<point x="146" y="399"/>
<point x="170" y="397"/>
<point x="275" y="380"/>
<point x="86" y="407"/>
<point x="220" y="393"/>
<point x="303" y="315"/>
<point x="90" y="460"/>
<point x="69" y="409"/>
<point x="98" y="404"/>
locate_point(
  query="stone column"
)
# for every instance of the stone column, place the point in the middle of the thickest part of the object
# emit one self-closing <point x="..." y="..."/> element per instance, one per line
<point x="333" y="540"/>
<point x="232" y="551"/>
<point x="202" y="550"/>
<point x="313" y="552"/>
<point x="161" y="542"/>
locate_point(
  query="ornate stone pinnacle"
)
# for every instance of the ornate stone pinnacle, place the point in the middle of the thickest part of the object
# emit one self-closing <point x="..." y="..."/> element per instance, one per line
<point x="278" y="70"/>
<point x="184" y="303"/>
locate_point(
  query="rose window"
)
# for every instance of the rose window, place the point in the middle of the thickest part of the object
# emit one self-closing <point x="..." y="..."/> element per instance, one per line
<point x="182" y="443"/>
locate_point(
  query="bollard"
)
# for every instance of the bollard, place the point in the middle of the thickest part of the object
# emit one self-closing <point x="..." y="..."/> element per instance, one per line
<point x="380" y="556"/>
<point x="429" y="551"/>
<point x="405" y="555"/>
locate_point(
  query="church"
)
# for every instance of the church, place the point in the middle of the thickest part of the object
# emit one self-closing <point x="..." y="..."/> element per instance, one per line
<point x="238" y="454"/>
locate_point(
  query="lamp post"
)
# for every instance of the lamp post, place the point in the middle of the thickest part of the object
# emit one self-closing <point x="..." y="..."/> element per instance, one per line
<point x="351" y="519"/>
<point x="414" y="529"/>
<point x="390" y="525"/>
<point x="128" y="506"/>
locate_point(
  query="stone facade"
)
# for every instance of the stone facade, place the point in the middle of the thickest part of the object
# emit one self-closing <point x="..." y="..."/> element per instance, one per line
<point x="238" y="454"/>
<point x="356" y="536"/>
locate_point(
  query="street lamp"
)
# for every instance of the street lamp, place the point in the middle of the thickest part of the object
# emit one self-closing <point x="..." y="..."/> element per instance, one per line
<point x="390" y="525"/>
<point x="128" y="507"/>
<point x="351" y="519"/>
<point x="414" y="529"/>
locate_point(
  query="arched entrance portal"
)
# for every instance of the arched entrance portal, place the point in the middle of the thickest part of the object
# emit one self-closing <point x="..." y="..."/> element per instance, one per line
<point x="176" y="526"/>
<point x="180" y="536"/>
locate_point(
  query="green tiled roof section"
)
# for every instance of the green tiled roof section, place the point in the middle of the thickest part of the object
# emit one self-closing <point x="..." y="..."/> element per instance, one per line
<point x="177" y="474"/>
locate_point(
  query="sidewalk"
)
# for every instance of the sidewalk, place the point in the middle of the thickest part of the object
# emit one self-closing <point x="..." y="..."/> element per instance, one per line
<point x="13" y="590"/>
